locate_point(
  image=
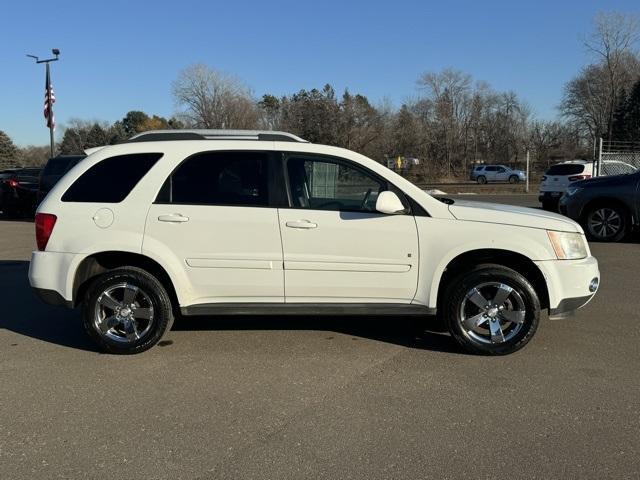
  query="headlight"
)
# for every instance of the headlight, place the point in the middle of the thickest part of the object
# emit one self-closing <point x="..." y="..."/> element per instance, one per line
<point x="568" y="246"/>
<point x="572" y="190"/>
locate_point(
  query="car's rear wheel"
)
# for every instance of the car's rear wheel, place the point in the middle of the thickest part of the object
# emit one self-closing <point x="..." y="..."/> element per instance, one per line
<point x="481" y="179"/>
<point x="606" y="223"/>
<point x="514" y="179"/>
<point x="491" y="310"/>
<point x="126" y="310"/>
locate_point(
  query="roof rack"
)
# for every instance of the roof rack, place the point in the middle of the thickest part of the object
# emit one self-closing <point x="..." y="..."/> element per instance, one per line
<point x="256" y="135"/>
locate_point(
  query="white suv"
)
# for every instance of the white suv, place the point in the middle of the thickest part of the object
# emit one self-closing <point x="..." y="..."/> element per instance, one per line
<point x="239" y="222"/>
<point x="555" y="181"/>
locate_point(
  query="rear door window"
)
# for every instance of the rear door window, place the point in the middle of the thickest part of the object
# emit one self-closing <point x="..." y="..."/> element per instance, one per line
<point x="112" y="179"/>
<point x="219" y="178"/>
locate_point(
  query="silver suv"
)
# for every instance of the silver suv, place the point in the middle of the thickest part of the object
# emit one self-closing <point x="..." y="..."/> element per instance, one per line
<point x="497" y="173"/>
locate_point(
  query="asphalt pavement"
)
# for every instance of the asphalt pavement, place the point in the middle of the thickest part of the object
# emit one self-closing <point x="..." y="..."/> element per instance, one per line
<point x="318" y="397"/>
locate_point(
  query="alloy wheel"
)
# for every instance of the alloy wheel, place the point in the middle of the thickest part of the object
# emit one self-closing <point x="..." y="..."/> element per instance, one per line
<point x="604" y="222"/>
<point x="492" y="313"/>
<point x="123" y="313"/>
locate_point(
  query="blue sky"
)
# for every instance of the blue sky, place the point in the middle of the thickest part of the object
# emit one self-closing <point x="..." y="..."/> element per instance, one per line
<point x="123" y="55"/>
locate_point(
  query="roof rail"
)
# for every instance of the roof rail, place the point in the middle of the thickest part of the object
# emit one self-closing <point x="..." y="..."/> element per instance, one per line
<point x="259" y="135"/>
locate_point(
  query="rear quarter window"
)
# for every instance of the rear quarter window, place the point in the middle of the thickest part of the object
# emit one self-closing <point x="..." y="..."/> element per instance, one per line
<point x="566" y="169"/>
<point x="112" y="179"/>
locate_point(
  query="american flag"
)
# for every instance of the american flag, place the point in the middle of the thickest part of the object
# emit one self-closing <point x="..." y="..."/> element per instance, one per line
<point x="49" y="100"/>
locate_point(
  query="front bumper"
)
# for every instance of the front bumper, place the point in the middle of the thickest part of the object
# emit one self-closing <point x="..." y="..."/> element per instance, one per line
<point x="570" y="283"/>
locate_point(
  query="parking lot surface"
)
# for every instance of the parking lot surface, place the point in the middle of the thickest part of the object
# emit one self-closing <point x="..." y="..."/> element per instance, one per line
<point x="318" y="397"/>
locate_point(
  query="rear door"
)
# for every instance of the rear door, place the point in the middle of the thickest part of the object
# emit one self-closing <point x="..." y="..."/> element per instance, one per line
<point x="337" y="247"/>
<point x="214" y="214"/>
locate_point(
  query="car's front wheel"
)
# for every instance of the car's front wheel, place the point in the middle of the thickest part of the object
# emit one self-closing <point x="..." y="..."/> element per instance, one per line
<point x="491" y="310"/>
<point x="514" y="179"/>
<point x="481" y="179"/>
<point x="126" y="310"/>
<point x="606" y="223"/>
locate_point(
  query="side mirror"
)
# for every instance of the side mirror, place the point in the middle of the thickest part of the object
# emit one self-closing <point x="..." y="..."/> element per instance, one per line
<point x="389" y="203"/>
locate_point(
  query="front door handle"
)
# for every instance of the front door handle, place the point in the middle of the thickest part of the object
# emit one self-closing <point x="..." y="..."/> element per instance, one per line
<point x="301" y="224"/>
<point x="173" y="218"/>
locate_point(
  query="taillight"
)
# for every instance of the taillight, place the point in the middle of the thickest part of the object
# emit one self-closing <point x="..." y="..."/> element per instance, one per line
<point x="575" y="178"/>
<point x="544" y="177"/>
<point x="12" y="183"/>
<point x="44" y="226"/>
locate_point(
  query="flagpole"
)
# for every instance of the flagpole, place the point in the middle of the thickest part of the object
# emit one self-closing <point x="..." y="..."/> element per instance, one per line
<point x="50" y="121"/>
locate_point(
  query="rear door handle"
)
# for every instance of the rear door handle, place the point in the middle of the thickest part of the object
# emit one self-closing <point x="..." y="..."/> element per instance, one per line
<point x="301" y="224"/>
<point x="173" y="218"/>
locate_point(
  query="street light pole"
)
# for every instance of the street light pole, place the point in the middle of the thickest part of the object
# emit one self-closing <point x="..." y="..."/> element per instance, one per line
<point x="46" y="61"/>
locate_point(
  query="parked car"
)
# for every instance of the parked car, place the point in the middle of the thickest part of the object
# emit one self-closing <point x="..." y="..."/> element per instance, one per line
<point x="18" y="189"/>
<point x="555" y="181"/>
<point x="240" y="222"/>
<point x="606" y="207"/>
<point x="497" y="173"/>
<point x="53" y="171"/>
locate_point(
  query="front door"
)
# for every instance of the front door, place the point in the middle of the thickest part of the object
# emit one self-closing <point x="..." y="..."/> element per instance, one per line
<point x="337" y="247"/>
<point x="213" y="217"/>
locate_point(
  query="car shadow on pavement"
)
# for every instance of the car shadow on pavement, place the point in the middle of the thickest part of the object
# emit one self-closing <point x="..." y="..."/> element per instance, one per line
<point x="426" y="334"/>
<point x="23" y="313"/>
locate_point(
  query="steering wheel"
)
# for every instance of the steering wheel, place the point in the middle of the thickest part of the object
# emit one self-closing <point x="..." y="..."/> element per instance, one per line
<point x="365" y="199"/>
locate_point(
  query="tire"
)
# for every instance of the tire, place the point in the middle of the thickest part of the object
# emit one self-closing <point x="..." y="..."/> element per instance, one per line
<point x="514" y="179"/>
<point x="128" y="333"/>
<point x="497" y="330"/>
<point x="481" y="179"/>
<point x="606" y="223"/>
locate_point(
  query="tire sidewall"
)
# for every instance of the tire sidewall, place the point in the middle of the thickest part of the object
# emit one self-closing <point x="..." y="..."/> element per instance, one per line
<point x="482" y="180"/>
<point x="457" y="291"/>
<point x="162" y="310"/>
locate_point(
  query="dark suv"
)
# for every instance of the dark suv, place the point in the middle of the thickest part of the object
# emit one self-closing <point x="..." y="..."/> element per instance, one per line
<point x="53" y="171"/>
<point x="606" y="207"/>
<point x="18" y="188"/>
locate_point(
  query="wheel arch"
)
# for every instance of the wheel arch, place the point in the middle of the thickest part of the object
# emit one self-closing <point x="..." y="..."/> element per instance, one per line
<point x="98" y="263"/>
<point x="507" y="258"/>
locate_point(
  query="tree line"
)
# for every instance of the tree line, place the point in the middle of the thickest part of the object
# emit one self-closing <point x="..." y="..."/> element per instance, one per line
<point x="453" y="122"/>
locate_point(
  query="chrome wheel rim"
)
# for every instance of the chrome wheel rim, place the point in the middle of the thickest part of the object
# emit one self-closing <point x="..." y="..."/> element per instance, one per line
<point x="605" y="222"/>
<point x="492" y="313"/>
<point x="123" y="313"/>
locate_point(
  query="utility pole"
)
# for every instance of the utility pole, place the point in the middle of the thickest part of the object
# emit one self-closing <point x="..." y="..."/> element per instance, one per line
<point x="50" y="121"/>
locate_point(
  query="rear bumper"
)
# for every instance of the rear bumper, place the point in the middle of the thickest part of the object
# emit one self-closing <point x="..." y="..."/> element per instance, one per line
<point x="51" y="297"/>
<point x="49" y="276"/>
<point x="549" y="196"/>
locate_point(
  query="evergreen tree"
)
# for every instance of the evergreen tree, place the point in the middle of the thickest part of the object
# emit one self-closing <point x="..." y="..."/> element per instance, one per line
<point x="8" y="151"/>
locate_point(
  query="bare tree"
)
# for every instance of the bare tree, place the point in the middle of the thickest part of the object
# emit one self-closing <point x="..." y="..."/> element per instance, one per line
<point x="589" y="100"/>
<point x="213" y="99"/>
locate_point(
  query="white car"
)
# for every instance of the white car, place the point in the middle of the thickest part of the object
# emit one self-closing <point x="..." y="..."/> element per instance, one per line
<point x="555" y="181"/>
<point x="241" y="222"/>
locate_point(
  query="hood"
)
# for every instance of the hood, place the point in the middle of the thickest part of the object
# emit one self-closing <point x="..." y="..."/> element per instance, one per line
<point x="512" y="215"/>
